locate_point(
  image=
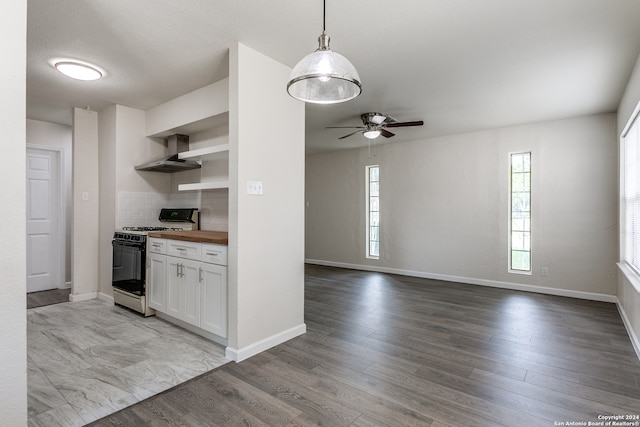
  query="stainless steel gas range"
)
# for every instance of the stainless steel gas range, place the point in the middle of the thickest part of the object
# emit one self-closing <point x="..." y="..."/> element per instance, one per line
<point x="130" y="257"/>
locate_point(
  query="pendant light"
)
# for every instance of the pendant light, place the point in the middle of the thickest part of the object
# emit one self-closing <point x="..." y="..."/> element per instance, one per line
<point x="324" y="76"/>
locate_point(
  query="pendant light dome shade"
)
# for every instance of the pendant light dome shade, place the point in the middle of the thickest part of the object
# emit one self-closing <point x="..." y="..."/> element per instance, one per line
<point x="324" y="77"/>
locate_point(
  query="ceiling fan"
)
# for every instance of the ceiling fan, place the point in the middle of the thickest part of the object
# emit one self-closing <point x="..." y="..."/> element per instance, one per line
<point x="376" y="124"/>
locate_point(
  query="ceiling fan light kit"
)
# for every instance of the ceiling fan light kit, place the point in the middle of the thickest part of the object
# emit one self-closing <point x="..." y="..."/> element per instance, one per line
<point x="376" y="124"/>
<point x="371" y="133"/>
<point x="324" y="76"/>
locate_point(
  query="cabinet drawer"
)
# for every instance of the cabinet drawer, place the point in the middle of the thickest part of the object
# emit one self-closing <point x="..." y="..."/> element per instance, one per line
<point x="157" y="246"/>
<point x="184" y="249"/>
<point x="214" y="254"/>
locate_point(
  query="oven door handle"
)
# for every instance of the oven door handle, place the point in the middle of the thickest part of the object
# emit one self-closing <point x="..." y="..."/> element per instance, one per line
<point x="130" y="244"/>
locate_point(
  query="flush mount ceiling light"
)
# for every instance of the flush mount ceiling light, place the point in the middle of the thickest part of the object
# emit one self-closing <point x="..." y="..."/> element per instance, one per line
<point x="78" y="70"/>
<point x="324" y="76"/>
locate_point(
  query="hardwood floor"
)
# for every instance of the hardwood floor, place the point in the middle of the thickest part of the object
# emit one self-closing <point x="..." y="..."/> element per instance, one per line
<point x="385" y="350"/>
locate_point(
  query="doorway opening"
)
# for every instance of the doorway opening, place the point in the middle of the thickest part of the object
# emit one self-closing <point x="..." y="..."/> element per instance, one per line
<point x="45" y="224"/>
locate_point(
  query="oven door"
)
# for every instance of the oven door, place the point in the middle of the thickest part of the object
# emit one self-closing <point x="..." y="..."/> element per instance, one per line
<point x="128" y="272"/>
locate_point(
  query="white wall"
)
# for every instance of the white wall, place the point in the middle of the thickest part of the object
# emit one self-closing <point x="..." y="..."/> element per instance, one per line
<point x="57" y="136"/>
<point x="134" y="148"/>
<point x="630" y="98"/>
<point x="107" y="159"/>
<point x="266" y="233"/>
<point x="200" y="104"/>
<point x="13" y="287"/>
<point x="444" y="204"/>
<point x="628" y="294"/>
<point x="85" y="250"/>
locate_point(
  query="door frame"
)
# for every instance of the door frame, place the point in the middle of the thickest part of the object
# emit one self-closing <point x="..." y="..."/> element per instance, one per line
<point x="62" y="210"/>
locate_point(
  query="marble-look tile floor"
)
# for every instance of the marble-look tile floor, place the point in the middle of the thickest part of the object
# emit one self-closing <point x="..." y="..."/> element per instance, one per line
<point x="89" y="359"/>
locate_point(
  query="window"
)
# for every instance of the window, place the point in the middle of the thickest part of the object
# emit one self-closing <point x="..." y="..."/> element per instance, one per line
<point x="520" y="213"/>
<point x="630" y="196"/>
<point x="373" y="211"/>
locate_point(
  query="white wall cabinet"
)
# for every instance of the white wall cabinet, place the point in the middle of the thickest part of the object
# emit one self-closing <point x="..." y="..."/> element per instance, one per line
<point x="186" y="281"/>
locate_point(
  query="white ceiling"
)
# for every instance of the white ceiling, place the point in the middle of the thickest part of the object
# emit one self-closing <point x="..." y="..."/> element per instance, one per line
<point x="459" y="65"/>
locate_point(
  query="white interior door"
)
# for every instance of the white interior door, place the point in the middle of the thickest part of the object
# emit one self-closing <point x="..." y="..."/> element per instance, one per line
<point x="43" y="206"/>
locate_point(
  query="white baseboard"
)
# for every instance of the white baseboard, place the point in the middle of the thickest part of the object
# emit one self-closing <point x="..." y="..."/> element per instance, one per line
<point x="104" y="297"/>
<point x="239" y="355"/>
<point x="472" y="281"/>
<point x="91" y="295"/>
<point x="627" y="324"/>
<point x="184" y="325"/>
<point x="83" y="297"/>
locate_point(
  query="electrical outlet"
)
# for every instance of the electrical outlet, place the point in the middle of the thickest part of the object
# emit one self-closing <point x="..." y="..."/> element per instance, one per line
<point x="544" y="271"/>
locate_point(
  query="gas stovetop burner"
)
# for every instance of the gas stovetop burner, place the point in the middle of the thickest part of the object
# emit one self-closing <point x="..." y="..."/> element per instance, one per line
<point x="151" y="229"/>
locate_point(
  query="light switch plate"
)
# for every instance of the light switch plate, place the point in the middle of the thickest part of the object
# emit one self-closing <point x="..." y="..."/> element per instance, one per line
<point x="254" y="187"/>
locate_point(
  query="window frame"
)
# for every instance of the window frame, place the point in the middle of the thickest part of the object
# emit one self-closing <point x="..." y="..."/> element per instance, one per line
<point x="368" y="211"/>
<point x="626" y="222"/>
<point x="527" y="229"/>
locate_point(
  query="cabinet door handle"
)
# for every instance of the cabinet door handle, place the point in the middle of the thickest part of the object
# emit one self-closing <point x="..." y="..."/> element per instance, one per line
<point x="200" y="275"/>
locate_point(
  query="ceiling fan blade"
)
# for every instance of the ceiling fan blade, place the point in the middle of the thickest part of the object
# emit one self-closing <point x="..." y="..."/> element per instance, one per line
<point x="388" y="120"/>
<point x="386" y="133"/>
<point x="403" y="124"/>
<point x="352" y="133"/>
<point x="343" y="127"/>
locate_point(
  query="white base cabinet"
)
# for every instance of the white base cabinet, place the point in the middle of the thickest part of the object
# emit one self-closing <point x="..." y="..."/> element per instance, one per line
<point x="187" y="288"/>
<point x="183" y="289"/>
<point x="157" y="274"/>
<point x="213" y="315"/>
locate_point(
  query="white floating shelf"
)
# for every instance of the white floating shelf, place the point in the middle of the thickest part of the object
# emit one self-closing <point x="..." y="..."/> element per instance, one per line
<point x="212" y="185"/>
<point x="206" y="153"/>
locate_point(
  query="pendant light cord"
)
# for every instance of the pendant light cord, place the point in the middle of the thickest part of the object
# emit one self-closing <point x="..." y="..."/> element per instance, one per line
<point x="324" y="15"/>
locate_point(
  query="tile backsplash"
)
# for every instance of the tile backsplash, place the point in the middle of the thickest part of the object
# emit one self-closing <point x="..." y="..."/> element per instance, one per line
<point x="142" y="209"/>
<point x="135" y="209"/>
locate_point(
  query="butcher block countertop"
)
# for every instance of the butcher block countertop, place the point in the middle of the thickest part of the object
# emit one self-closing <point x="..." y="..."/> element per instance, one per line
<point x="202" y="236"/>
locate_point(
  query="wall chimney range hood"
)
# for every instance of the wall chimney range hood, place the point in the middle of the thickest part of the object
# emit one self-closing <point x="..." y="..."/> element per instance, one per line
<point x="177" y="144"/>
